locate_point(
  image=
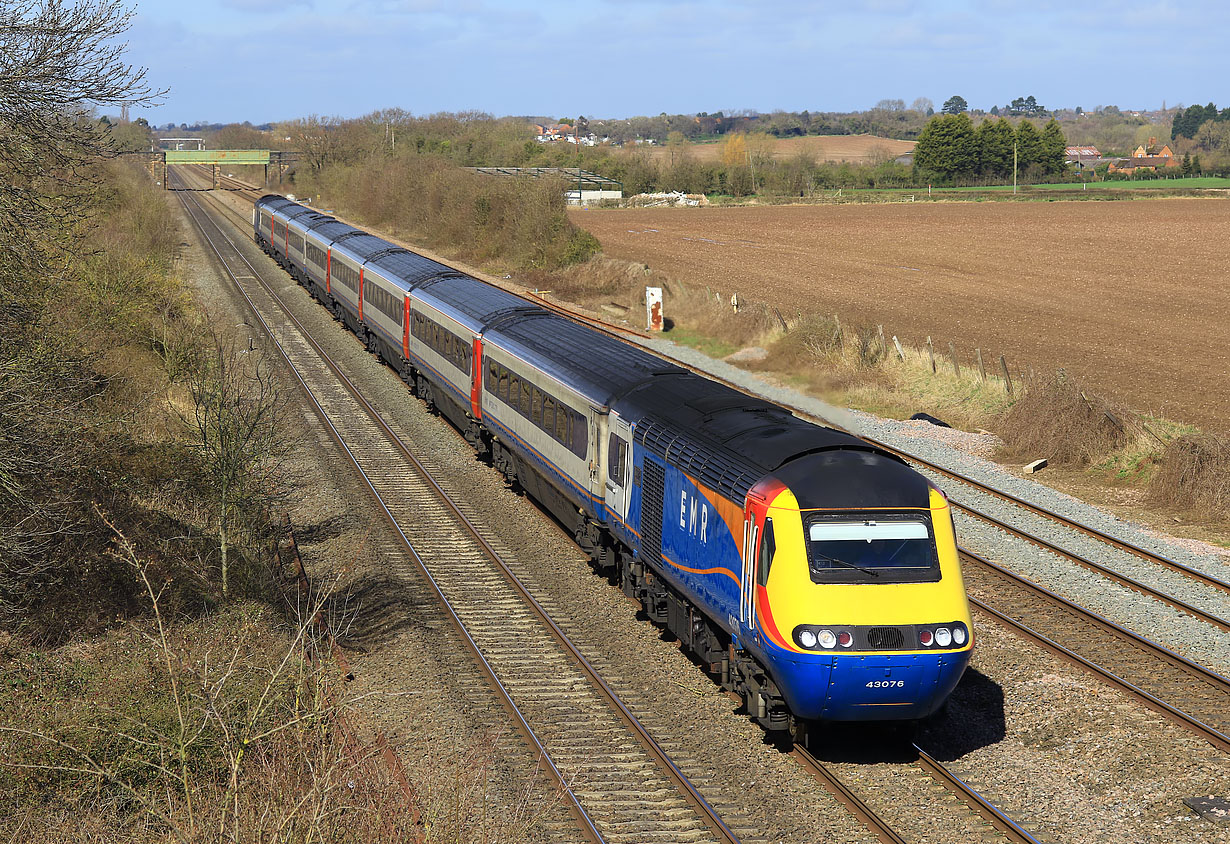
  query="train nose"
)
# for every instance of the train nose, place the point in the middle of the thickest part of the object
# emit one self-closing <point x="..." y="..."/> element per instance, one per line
<point x="891" y="687"/>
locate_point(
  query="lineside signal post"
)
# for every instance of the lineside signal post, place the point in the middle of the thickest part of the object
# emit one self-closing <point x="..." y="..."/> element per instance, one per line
<point x="653" y="308"/>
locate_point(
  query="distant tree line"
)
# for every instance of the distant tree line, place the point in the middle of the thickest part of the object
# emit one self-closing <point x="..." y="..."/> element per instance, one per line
<point x="951" y="150"/>
<point x="1187" y="122"/>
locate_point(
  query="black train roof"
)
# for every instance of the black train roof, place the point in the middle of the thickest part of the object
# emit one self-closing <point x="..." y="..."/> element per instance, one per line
<point x="361" y="246"/>
<point x="594" y="364"/>
<point x="329" y="229"/>
<point x="275" y="202"/>
<point x="728" y="441"/>
<point x="482" y="302"/>
<point x="411" y="267"/>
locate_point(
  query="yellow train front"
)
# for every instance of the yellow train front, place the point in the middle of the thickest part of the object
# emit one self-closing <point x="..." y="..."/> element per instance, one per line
<point x="825" y="569"/>
<point x="860" y="612"/>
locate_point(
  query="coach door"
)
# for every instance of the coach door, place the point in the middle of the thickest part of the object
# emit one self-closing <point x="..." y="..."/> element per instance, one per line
<point x="618" y="466"/>
<point x="747" y="582"/>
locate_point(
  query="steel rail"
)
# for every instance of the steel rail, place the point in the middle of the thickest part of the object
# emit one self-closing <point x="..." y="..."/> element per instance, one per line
<point x="622" y="332"/>
<point x="993" y="814"/>
<point x="853" y="803"/>
<point x="1121" y="544"/>
<point x="560" y="781"/>
<point x="693" y="796"/>
<point x="1118" y="577"/>
<point x="990" y="812"/>
<point x="1205" y="731"/>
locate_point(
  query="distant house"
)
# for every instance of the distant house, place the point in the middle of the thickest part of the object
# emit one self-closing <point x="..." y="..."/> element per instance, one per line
<point x="558" y="132"/>
<point x="1149" y="157"/>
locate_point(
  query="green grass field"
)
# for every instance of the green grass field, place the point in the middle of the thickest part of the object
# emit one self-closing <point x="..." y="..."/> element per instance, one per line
<point x="1141" y="184"/>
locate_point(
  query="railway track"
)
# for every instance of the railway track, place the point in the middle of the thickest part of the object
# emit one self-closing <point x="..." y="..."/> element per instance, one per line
<point x="1178" y="688"/>
<point x="1183" y="691"/>
<point x="621" y="785"/>
<point x="475" y="572"/>
<point x="1218" y="588"/>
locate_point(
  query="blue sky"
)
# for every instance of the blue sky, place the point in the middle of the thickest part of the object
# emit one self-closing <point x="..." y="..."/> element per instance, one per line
<point x="236" y="60"/>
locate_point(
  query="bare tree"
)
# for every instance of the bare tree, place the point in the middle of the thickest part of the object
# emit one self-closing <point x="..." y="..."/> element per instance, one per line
<point x="57" y="62"/>
<point x="238" y="408"/>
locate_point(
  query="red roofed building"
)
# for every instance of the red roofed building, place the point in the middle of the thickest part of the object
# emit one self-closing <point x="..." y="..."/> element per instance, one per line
<point x="1146" y="158"/>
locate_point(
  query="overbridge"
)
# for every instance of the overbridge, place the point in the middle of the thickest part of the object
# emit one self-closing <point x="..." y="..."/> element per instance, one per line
<point x="280" y="159"/>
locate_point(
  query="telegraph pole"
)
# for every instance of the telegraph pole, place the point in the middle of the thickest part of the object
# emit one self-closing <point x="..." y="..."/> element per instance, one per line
<point x="1014" y="167"/>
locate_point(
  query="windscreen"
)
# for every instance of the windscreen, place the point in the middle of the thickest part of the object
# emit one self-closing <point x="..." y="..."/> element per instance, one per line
<point x="870" y="551"/>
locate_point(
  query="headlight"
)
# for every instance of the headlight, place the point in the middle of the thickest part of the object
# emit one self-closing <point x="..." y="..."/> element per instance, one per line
<point x="807" y="639"/>
<point x="827" y="639"/>
<point x="958" y="635"/>
<point x="943" y="637"/>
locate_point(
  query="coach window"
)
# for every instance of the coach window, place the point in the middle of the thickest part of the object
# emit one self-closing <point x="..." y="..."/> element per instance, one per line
<point x="548" y="416"/>
<point x="536" y="407"/>
<point x="768" y="547"/>
<point x="523" y="405"/>
<point x="502" y="392"/>
<point x="617" y="449"/>
<point x="579" y="443"/>
<point x="563" y="426"/>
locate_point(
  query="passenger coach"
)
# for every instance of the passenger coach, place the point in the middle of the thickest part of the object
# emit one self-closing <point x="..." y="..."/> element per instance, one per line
<point x="815" y="575"/>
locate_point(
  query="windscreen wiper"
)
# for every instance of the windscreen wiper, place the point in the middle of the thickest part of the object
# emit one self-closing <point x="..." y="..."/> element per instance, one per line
<point x="863" y="569"/>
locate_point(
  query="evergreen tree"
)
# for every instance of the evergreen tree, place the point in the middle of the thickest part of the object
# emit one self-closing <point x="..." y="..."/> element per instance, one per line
<point x="995" y="139"/>
<point x="1028" y="144"/>
<point x="955" y="104"/>
<point x="1053" y="148"/>
<point x="947" y="148"/>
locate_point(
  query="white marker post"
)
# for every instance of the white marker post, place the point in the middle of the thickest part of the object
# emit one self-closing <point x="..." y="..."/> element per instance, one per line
<point x="653" y="308"/>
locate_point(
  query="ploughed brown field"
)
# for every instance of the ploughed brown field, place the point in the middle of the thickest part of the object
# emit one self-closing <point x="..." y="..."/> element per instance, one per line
<point x="858" y="149"/>
<point x="1131" y="296"/>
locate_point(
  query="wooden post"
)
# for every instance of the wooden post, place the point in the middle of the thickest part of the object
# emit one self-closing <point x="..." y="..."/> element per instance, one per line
<point x="900" y="351"/>
<point x="931" y="354"/>
<point x="952" y="353"/>
<point x="837" y="335"/>
<point x="781" y="319"/>
<point x="1003" y="364"/>
<point x="883" y="342"/>
<point x="982" y="370"/>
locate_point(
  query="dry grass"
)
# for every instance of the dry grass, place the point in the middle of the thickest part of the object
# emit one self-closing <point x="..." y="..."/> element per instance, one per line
<point x="1066" y="424"/>
<point x="1193" y="474"/>
<point x="498" y="222"/>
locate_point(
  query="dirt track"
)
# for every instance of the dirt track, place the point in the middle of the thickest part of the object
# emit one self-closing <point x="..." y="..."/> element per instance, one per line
<point x="1132" y="296"/>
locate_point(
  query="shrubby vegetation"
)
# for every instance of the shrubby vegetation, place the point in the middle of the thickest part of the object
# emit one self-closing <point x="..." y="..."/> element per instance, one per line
<point x="138" y="700"/>
<point x="514" y="223"/>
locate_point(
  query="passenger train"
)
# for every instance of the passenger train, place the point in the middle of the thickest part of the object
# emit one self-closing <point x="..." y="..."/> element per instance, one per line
<point x="814" y="574"/>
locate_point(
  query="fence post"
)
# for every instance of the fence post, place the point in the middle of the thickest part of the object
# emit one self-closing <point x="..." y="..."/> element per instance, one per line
<point x="900" y="351"/>
<point x="931" y="354"/>
<point x="1003" y="363"/>
<point x="883" y="342"/>
<point x="982" y="370"/>
<point x="837" y="333"/>
<point x="952" y="353"/>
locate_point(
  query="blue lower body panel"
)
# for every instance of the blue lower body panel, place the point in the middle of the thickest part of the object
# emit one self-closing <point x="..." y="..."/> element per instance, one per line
<point x="879" y="687"/>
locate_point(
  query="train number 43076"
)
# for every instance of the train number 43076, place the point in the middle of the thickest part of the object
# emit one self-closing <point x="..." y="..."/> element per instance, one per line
<point x="886" y="684"/>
